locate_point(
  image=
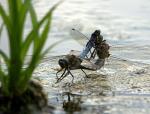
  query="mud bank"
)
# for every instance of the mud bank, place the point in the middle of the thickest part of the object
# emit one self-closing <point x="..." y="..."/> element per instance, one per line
<point x="120" y="87"/>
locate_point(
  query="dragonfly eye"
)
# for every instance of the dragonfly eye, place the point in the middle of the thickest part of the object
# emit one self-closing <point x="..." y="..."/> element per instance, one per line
<point x="63" y="63"/>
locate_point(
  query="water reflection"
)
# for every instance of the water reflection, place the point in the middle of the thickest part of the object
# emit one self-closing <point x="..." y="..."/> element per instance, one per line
<point x="96" y="87"/>
<point x="72" y="103"/>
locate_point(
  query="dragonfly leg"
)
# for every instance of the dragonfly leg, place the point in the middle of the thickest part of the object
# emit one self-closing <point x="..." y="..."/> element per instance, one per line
<point x="93" y="54"/>
<point x="84" y="73"/>
<point x="59" y="79"/>
<point x="57" y="73"/>
<point x="67" y="73"/>
<point x="71" y="75"/>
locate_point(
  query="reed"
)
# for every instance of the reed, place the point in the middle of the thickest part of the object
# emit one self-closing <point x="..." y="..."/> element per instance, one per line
<point x="14" y="79"/>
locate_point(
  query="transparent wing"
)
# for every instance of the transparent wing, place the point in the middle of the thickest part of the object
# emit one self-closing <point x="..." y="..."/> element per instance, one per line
<point x="86" y="63"/>
<point x="79" y="37"/>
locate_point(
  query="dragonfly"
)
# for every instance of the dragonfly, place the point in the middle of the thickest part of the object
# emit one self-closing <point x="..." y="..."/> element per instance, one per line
<point x="72" y="61"/>
<point x="80" y="38"/>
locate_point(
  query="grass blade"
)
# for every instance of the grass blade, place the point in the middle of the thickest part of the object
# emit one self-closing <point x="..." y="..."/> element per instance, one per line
<point x="4" y="57"/>
<point x="51" y="46"/>
<point x="33" y="16"/>
<point x="34" y="24"/>
<point x="6" y="20"/>
<point x="41" y="41"/>
<point x="33" y="33"/>
<point x="36" y="55"/>
<point x="1" y="29"/>
<point x="4" y="83"/>
<point x="22" y="14"/>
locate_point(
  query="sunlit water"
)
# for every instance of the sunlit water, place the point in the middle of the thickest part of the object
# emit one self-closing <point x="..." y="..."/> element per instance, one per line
<point x="124" y="24"/>
<point x="122" y="86"/>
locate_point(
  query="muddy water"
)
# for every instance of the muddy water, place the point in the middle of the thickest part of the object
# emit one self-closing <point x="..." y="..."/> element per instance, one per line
<point x="121" y="87"/>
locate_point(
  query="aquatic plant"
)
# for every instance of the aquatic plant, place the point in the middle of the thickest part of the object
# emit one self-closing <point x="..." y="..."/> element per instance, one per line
<point x="14" y="79"/>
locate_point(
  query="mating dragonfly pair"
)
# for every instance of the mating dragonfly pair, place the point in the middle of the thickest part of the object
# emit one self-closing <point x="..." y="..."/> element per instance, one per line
<point x="72" y="61"/>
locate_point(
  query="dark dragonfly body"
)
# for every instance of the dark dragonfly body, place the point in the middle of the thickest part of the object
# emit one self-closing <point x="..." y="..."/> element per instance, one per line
<point x="70" y="62"/>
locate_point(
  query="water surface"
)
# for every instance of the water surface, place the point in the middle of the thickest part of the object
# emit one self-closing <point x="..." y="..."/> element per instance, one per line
<point x="124" y="24"/>
<point x="123" y="85"/>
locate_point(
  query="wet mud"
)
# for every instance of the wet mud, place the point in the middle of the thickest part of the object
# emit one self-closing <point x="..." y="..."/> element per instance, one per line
<point x="120" y="87"/>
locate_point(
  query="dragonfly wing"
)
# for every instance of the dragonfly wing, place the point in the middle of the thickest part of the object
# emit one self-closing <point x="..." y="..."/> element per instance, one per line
<point x="93" y="64"/>
<point x="79" y="37"/>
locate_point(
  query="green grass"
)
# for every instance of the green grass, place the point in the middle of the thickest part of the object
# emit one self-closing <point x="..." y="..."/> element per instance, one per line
<point x="15" y="80"/>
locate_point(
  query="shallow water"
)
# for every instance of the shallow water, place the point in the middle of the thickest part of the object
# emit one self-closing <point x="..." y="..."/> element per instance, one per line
<point x="123" y="85"/>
